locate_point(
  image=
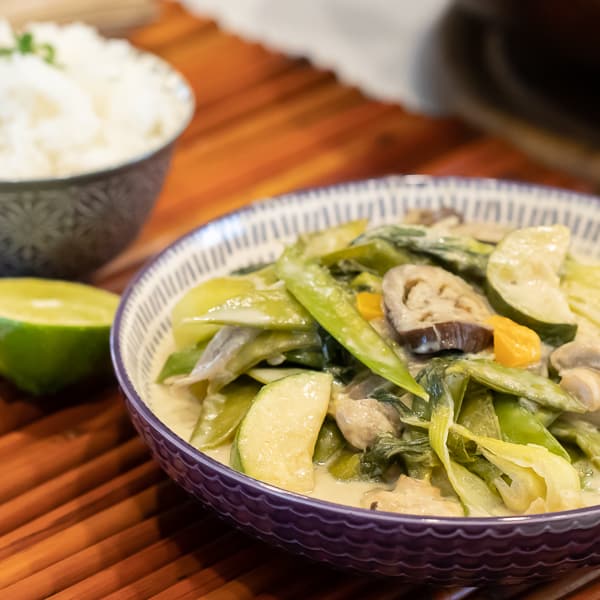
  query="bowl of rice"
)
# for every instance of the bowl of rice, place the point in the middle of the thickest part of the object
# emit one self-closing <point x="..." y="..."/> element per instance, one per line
<point x="87" y="129"/>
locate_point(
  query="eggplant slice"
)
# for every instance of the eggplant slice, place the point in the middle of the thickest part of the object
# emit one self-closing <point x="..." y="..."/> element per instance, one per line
<point x="433" y="310"/>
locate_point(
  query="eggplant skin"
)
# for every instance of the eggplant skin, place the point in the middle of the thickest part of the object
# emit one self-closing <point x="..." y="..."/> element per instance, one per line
<point x="450" y="335"/>
<point x="433" y="310"/>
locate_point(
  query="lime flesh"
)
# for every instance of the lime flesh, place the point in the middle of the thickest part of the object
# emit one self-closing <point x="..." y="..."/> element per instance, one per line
<point x="53" y="333"/>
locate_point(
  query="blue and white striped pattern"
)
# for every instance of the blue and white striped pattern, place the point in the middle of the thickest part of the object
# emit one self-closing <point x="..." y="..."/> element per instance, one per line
<point x="256" y="234"/>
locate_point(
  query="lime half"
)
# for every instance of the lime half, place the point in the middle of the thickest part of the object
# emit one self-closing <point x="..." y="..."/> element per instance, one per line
<point x="53" y="333"/>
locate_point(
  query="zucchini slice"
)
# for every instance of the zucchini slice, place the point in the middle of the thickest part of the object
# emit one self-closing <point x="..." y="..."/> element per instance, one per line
<point x="275" y="441"/>
<point x="523" y="281"/>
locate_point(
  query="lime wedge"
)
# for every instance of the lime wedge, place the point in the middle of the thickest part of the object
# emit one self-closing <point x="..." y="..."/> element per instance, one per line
<point x="53" y="333"/>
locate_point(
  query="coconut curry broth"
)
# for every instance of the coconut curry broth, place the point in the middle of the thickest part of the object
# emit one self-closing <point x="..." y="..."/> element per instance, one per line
<point x="178" y="409"/>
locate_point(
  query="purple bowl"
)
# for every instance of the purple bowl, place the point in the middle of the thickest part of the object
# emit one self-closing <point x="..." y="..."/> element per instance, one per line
<point x="463" y="551"/>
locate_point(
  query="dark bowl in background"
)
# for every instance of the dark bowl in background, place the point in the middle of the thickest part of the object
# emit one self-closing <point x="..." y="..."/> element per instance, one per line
<point x="565" y="29"/>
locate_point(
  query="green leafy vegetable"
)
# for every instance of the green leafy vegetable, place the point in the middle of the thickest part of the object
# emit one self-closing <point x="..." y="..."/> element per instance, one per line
<point x="463" y="255"/>
<point x="388" y="448"/>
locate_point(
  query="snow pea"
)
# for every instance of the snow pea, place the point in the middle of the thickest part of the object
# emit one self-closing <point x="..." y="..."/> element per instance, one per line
<point x="328" y="303"/>
<point x="269" y="308"/>
<point x="222" y="412"/>
<point x="518" y="382"/>
<point x="579" y="432"/>
<point x="520" y="426"/>
<point x="329" y="442"/>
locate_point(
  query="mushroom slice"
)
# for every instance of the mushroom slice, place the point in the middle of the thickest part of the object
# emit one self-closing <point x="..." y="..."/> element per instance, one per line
<point x="584" y="353"/>
<point x="584" y="384"/>
<point x="433" y="310"/>
<point x="362" y="420"/>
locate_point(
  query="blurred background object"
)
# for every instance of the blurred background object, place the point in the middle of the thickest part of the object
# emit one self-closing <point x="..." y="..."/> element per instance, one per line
<point x="112" y="17"/>
<point x="525" y="70"/>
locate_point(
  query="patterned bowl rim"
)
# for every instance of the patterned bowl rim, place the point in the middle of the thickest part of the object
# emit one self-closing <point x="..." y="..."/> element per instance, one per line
<point x="386" y="519"/>
<point x="182" y="92"/>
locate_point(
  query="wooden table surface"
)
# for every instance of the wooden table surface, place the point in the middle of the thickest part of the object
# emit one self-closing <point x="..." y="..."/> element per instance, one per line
<point x="85" y="511"/>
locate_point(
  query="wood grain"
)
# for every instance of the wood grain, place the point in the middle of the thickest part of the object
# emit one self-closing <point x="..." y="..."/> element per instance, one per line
<point x="84" y="512"/>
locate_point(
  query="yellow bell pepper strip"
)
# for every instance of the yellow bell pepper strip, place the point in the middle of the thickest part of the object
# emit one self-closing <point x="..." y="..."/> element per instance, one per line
<point x="369" y="305"/>
<point x="329" y="304"/>
<point x="514" y="345"/>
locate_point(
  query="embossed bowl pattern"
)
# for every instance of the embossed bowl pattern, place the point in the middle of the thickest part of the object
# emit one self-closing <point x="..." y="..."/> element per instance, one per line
<point x="66" y="227"/>
<point x="423" y="549"/>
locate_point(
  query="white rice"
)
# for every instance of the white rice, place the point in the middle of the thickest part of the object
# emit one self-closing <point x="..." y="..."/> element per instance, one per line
<point x="102" y="104"/>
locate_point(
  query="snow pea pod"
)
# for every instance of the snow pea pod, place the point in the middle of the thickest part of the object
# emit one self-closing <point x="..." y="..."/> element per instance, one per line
<point x="330" y="306"/>
<point x="270" y="308"/>
<point x="264" y="346"/>
<point x="222" y="412"/>
<point x="181" y="362"/>
<point x="520" y="426"/>
<point x="518" y="382"/>
<point x="580" y="432"/>
<point x="329" y="442"/>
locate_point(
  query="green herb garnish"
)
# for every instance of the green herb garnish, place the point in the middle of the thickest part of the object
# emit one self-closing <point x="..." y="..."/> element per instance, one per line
<point x="25" y="44"/>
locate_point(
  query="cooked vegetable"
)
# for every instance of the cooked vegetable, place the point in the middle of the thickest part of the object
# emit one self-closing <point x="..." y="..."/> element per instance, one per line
<point x="475" y="496"/>
<point x="369" y="305"/>
<point x="580" y="432"/>
<point x="579" y="353"/>
<point x="270" y="308"/>
<point x="518" y="382"/>
<point x="523" y="281"/>
<point x="341" y="331"/>
<point x="329" y="441"/>
<point x="377" y="256"/>
<point x="319" y="243"/>
<point x="514" y="345"/>
<point x="329" y="305"/>
<point x="366" y="282"/>
<point x="388" y="449"/>
<point x="581" y="284"/>
<point x="275" y="441"/>
<point x="462" y="255"/>
<point x="520" y="426"/>
<point x="222" y="412"/>
<point x="345" y="466"/>
<point x="433" y="310"/>
<point x="187" y="329"/>
<point x="584" y="384"/>
<point x="180" y="363"/>
<point x="270" y="374"/>
<point x="233" y="352"/>
<point x="539" y="480"/>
